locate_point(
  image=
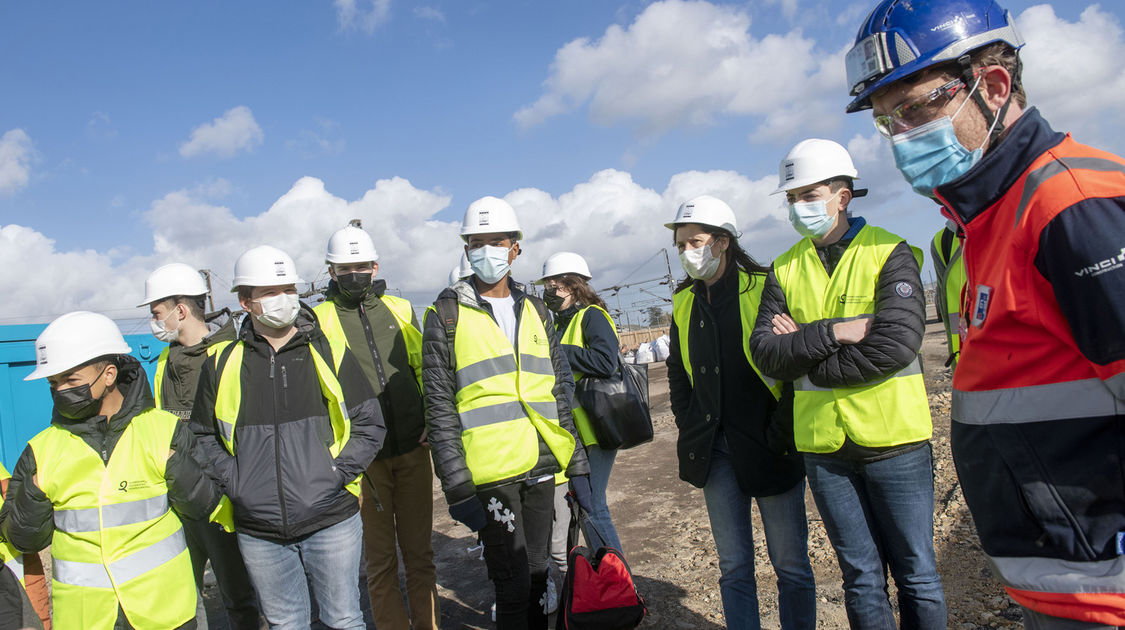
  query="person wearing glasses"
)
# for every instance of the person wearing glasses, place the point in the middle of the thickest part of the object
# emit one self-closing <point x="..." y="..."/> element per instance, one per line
<point x="842" y="316"/>
<point x="1039" y="390"/>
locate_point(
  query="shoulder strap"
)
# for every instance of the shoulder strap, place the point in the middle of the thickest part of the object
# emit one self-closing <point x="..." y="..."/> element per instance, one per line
<point x="447" y="310"/>
<point x="541" y="308"/>
<point x="221" y="353"/>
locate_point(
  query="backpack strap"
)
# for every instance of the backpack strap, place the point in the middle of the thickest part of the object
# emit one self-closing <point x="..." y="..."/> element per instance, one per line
<point x="447" y="311"/>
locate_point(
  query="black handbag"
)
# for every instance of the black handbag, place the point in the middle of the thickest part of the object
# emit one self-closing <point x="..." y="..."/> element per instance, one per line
<point x="617" y="406"/>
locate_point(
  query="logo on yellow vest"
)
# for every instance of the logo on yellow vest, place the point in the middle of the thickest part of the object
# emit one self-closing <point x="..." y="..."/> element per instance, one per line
<point x="541" y="341"/>
<point x="126" y="486"/>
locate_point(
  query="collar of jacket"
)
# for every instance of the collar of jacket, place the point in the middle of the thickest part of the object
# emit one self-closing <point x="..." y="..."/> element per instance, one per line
<point x="991" y="178"/>
<point x="133" y="385"/>
<point x="333" y="293"/>
<point x="729" y="277"/>
<point x="221" y="325"/>
<point x="563" y="317"/>
<point x="466" y="293"/>
<point x="307" y="330"/>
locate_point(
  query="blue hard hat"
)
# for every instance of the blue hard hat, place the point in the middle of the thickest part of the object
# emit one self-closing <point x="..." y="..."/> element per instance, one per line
<point x="901" y="37"/>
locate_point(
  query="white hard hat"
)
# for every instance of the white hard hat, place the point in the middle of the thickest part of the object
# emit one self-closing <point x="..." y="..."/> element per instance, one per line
<point x="172" y="280"/>
<point x="564" y="262"/>
<point x="706" y="210"/>
<point x="74" y="339"/>
<point x="488" y="215"/>
<point x="264" y="266"/>
<point x="463" y="270"/>
<point x="815" y="160"/>
<point x="350" y="245"/>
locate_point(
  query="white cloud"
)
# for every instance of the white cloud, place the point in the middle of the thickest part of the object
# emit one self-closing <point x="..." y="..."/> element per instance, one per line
<point x="1073" y="70"/>
<point x="429" y="13"/>
<point x="234" y="131"/>
<point x="365" y="15"/>
<point x="689" y="63"/>
<point x="16" y="154"/>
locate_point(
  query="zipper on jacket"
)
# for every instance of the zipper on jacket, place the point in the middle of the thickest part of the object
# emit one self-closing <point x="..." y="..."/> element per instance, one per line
<point x="371" y="345"/>
<point x="277" y="444"/>
<point x="284" y="388"/>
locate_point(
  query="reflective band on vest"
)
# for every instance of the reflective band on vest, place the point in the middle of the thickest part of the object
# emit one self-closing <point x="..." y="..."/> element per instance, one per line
<point x="93" y="519"/>
<point x="749" y="298"/>
<point x="116" y="542"/>
<point x="15" y="565"/>
<point x="506" y="401"/>
<point x="891" y="411"/>
<point x="228" y="397"/>
<point x="573" y="336"/>
<point x="403" y="314"/>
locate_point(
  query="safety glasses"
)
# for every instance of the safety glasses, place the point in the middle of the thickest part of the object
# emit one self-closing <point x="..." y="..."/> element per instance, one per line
<point x="919" y="111"/>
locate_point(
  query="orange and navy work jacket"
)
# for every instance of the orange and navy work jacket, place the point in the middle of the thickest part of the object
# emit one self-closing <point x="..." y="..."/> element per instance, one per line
<point x="1039" y="392"/>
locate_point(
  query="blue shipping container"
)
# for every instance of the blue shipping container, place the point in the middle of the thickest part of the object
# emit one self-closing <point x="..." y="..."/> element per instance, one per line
<point x="25" y="406"/>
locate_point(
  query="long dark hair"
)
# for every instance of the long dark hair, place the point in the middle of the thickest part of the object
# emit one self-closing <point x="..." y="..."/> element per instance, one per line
<point x="583" y="293"/>
<point x="740" y="257"/>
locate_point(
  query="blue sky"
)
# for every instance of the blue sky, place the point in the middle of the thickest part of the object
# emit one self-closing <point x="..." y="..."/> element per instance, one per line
<point x="135" y="134"/>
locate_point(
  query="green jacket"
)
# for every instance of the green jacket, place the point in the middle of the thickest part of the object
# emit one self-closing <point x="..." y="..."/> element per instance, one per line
<point x="375" y="337"/>
<point x="178" y="367"/>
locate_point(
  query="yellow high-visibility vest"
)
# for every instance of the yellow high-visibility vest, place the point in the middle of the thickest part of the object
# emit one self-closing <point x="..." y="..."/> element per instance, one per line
<point x="749" y="298"/>
<point x="161" y="366"/>
<point x="891" y="411"/>
<point x="574" y="337"/>
<point x="950" y="281"/>
<point x="116" y="542"/>
<point x="504" y="399"/>
<point x="228" y="397"/>
<point x="403" y="314"/>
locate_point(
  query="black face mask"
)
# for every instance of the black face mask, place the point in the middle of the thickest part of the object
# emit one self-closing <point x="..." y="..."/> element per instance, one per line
<point x="552" y="300"/>
<point x="77" y="403"/>
<point x="355" y="285"/>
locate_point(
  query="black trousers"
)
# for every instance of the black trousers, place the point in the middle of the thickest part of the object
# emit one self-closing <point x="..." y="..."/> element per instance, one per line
<point x="516" y="542"/>
<point x="209" y="541"/>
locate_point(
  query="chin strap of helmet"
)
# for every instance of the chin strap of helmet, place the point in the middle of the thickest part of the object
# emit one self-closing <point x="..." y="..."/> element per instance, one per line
<point x="995" y="121"/>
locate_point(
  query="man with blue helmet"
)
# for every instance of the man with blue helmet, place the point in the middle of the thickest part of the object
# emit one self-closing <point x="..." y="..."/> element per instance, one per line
<point x="1039" y="390"/>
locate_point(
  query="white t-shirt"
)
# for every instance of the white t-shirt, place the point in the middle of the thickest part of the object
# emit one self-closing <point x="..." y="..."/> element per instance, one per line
<point x="504" y="309"/>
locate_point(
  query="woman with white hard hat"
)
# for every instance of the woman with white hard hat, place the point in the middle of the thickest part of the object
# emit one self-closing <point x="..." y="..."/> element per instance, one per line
<point x="589" y="340"/>
<point x="735" y="425"/>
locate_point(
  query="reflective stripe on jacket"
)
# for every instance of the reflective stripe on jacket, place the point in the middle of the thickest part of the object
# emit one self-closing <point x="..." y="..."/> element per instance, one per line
<point x="573" y="337"/>
<point x="1036" y="429"/>
<point x="116" y="542"/>
<point x="888" y="412"/>
<point x="749" y="297"/>
<point x="505" y="396"/>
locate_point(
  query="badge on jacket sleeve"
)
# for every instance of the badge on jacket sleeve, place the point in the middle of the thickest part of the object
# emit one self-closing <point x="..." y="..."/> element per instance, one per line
<point x="980" y="307"/>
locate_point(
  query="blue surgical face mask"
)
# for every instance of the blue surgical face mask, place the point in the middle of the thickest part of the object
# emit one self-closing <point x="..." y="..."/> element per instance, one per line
<point x="810" y="218"/>
<point x="931" y="155"/>
<point x="490" y="263"/>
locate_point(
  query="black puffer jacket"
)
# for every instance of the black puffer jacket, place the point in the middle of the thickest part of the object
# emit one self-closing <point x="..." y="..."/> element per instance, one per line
<point x="282" y="479"/>
<point x="440" y="389"/>
<point x="27" y="519"/>
<point x="891" y="344"/>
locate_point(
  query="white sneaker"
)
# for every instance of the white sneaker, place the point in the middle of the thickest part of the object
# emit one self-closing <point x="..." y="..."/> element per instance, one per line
<point x="494" y="612"/>
<point x="552" y="597"/>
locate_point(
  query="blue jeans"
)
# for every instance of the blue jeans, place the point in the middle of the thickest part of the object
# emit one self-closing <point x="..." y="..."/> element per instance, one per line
<point x="876" y="515"/>
<point x="330" y="557"/>
<point x="601" y="464"/>
<point x="787" y="534"/>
